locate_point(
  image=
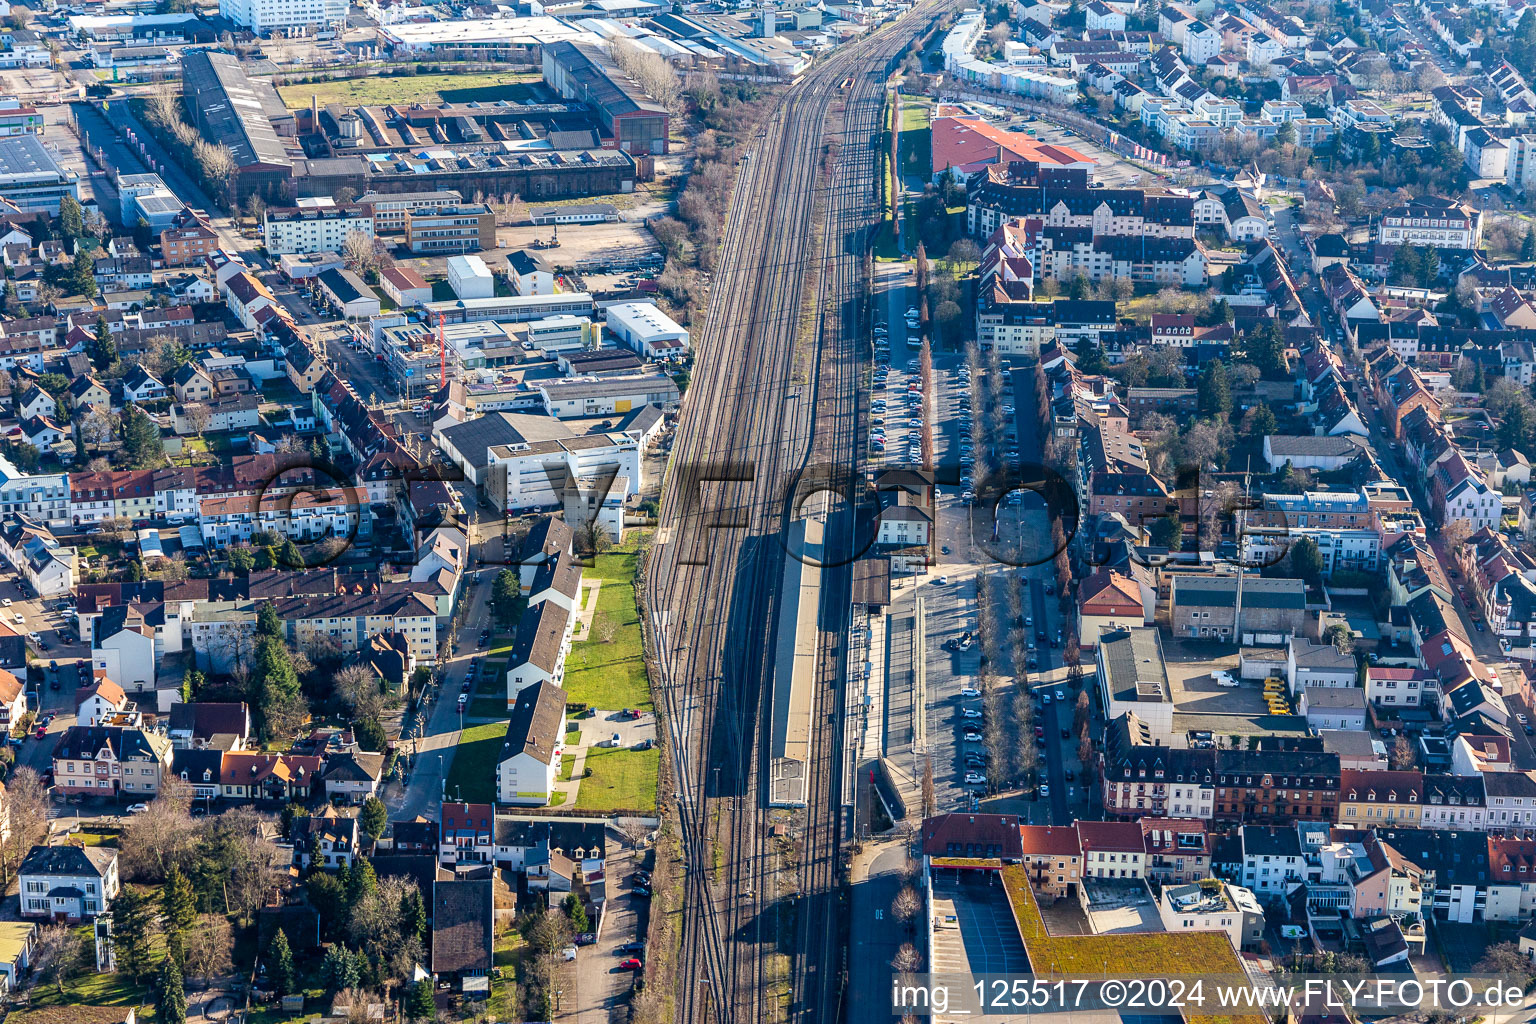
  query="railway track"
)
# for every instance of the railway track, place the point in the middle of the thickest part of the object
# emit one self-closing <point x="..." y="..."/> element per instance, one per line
<point x="776" y="391"/>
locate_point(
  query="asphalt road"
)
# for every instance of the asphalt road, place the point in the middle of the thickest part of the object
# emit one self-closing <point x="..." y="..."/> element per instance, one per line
<point x="433" y="750"/>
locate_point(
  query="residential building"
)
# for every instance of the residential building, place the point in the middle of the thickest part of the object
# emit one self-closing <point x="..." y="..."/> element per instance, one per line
<point x="328" y="842"/>
<point x="1053" y="856"/>
<point x="352" y="776"/>
<point x="1273" y="861"/>
<point x="1112" y="849"/>
<point x="1213" y="905"/>
<point x="1432" y="220"/>
<point x="68" y="882"/>
<point x="268" y="778"/>
<point x="466" y="833"/>
<point x="539" y="649"/>
<point x="530" y="752"/>
<point x="1368" y="799"/>
<point x="1178" y="850"/>
<point x="1276" y="785"/>
<point x="110" y="760"/>
<point x="311" y="229"/>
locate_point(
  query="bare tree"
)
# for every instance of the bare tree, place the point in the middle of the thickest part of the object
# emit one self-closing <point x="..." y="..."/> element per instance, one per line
<point x="650" y="71"/>
<point x="96" y="427"/>
<point x="162" y="835"/>
<point x="209" y="946"/>
<point x="217" y="164"/>
<point x="635" y="831"/>
<point x="907" y="959"/>
<point x="357" y="250"/>
<point x="26" y="805"/>
<point x="357" y="687"/>
<point x="174" y="569"/>
<point x="56" y="955"/>
<point x="198" y="416"/>
<point x="906" y="904"/>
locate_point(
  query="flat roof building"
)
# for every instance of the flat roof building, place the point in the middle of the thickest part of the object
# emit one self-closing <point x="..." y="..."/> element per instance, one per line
<point x="480" y="38"/>
<point x="794" y="670"/>
<point x="31" y="178"/>
<point x="514" y="308"/>
<point x="468" y="227"/>
<point x="262" y="16"/>
<point x="643" y="327"/>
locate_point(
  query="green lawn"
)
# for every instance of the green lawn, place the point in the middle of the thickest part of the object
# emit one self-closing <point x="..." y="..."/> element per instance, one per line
<point x="88" y="988"/>
<point x="611" y="675"/>
<point x="916" y="146"/>
<point x="487" y="707"/>
<point x="378" y="90"/>
<point x="621" y="780"/>
<point x="473" y="775"/>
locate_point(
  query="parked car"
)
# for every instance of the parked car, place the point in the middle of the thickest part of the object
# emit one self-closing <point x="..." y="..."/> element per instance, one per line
<point x="631" y="964"/>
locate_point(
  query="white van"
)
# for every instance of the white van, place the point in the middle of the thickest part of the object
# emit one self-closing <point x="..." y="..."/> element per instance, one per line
<point x="1224" y="678"/>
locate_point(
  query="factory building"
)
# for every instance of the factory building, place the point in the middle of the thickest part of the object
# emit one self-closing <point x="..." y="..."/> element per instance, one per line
<point x="632" y="122"/>
<point x="229" y="109"/>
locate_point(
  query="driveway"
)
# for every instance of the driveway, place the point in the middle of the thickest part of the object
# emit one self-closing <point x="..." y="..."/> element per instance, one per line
<point x="595" y="991"/>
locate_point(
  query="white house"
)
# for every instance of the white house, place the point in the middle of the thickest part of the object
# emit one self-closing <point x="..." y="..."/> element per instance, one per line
<point x="530" y="753"/>
<point x="538" y="653"/>
<point x="95" y="702"/>
<point x="1272" y="859"/>
<point x="36" y="402"/>
<point x="1511" y="800"/>
<point x="1213" y="906"/>
<point x="123" y="646"/>
<point x="1469" y="500"/>
<point x="68" y="882"/>
<point x="142" y="386"/>
<point x="1327" y="707"/>
<point x="557" y="580"/>
<point x="904" y="520"/>
<point x="352" y="776"/>
<point x="1322" y="665"/>
<point x="529" y="274"/>
<point x="1395" y="687"/>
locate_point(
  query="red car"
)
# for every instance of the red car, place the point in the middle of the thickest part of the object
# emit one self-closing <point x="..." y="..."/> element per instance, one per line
<point x="630" y="713"/>
<point x="632" y="964"/>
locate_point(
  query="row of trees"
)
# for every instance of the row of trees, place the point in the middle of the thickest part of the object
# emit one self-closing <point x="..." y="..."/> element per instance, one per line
<point x="214" y="164"/>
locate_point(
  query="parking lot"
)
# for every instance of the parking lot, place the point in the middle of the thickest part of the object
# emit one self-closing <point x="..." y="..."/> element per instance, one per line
<point x="973" y="927"/>
<point x="594" y="982"/>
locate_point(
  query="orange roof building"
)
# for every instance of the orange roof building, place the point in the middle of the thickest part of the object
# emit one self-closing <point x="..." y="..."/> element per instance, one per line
<point x="969" y="143"/>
